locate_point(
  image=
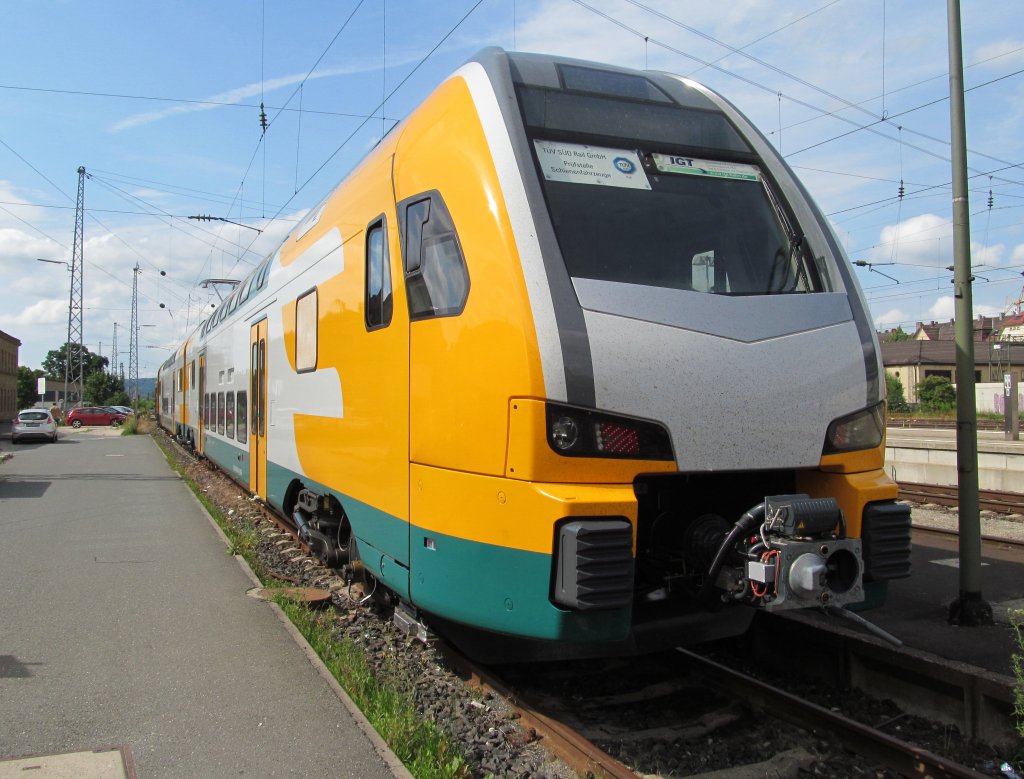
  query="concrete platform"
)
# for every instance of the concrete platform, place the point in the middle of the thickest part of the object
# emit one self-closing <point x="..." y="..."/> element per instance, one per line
<point x="917" y="608"/>
<point x="929" y="457"/>
<point x="125" y="622"/>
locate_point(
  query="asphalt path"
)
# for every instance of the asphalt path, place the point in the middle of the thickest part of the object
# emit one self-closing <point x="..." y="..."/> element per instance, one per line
<point x="123" y="620"/>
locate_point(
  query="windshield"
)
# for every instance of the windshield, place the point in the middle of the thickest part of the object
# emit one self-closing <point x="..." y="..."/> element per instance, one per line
<point x="647" y="217"/>
<point x="33" y="416"/>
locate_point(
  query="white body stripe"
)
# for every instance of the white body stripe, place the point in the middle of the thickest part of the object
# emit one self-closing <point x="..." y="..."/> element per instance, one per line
<point x="519" y="215"/>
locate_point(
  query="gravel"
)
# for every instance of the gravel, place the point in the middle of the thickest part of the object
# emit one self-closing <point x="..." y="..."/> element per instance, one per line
<point x="485" y="730"/>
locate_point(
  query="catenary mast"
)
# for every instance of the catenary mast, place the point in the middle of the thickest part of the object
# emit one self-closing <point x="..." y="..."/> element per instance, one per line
<point x="74" y="357"/>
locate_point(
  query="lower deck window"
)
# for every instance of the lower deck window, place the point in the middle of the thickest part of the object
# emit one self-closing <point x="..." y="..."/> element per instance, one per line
<point x="229" y="410"/>
<point x="240" y="415"/>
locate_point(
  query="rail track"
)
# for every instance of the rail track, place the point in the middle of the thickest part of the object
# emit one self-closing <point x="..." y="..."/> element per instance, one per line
<point x="666" y="718"/>
<point x="737" y="697"/>
<point x="942" y="495"/>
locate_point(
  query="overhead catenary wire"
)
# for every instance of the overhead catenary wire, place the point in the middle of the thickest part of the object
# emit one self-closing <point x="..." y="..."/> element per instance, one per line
<point x="846" y="103"/>
<point x="388" y="96"/>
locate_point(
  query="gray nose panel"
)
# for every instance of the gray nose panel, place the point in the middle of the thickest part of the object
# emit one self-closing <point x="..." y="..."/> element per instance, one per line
<point x="748" y="318"/>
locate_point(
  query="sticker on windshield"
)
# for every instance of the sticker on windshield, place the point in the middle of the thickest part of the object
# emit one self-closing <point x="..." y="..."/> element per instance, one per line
<point x="579" y="164"/>
<point x="691" y="166"/>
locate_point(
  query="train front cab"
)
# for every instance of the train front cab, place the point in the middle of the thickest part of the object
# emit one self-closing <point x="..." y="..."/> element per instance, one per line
<point x="489" y="528"/>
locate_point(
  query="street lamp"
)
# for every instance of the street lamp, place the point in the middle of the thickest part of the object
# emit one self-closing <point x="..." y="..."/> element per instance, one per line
<point x="55" y="262"/>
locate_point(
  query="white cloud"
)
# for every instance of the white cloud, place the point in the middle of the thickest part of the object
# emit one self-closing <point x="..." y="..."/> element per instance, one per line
<point x="891" y="318"/>
<point x="43" y="312"/>
<point x="987" y="255"/>
<point x="944" y="308"/>
<point x="919" y="240"/>
<point x="230" y="97"/>
<point x="1007" y="53"/>
<point x="16" y="244"/>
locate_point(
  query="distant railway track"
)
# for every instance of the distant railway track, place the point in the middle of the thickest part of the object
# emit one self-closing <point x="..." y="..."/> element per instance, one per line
<point x="941" y="495"/>
<point x="942" y="424"/>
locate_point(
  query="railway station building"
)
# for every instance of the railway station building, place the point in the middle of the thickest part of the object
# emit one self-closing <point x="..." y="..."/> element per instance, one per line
<point x="51" y="392"/>
<point x="8" y="376"/>
<point x="931" y="351"/>
<point x="914" y="361"/>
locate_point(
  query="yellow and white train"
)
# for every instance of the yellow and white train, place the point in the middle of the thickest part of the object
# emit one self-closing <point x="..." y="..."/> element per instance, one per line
<point x="572" y="357"/>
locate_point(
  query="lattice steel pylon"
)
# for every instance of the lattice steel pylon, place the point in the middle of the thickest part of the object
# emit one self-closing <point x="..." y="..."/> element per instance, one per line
<point x="74" y="357"/>
<point x="133" y="343"/>
<point x="113" y="353"/>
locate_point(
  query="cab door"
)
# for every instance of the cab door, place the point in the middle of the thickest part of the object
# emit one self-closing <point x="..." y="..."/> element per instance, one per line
<point x="258" y="409"/>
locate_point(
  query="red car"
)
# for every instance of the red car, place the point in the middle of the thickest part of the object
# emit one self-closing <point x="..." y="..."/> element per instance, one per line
<point x="93" y="415"/>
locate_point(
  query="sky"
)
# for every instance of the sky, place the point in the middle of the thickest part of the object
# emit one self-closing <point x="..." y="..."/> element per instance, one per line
<point x="160" y="103"/>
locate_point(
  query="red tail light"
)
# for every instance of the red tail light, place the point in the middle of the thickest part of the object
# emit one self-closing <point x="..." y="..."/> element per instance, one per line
<point x="580" y="432"/>
<point x="613" y="438"/>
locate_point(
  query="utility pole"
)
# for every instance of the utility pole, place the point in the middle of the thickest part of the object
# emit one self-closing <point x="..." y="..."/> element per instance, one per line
<point x="970" y="608"/>
<point x="133" y="346"/>
<point x="113" y="353"/>
<point x="73" y="363"/>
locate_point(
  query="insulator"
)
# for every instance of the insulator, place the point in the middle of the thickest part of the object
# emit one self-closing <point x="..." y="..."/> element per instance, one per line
<point x="263" y="117"/>
<point x="990" y="200"/>
<point x="902" y="191"/>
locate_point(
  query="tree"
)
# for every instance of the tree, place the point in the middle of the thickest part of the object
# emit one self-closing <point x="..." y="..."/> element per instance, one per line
<point x="894" y="392"/>
<point x="55" y="360"/>
<point x="894" y="336"/>
<point x="28" y="388"/>
<point x="936" y="393"/>
<point x="102" y="389"/>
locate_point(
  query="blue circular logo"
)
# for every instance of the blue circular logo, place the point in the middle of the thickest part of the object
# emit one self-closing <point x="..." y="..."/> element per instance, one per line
<point x="624" y="165"/>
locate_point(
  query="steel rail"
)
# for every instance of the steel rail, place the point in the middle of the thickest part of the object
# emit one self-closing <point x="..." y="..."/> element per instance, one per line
<point x="1012" y="543"/>
<point x="945" y="495"/>
<point x="581" y="755"/>
<point x="862" y="739"/>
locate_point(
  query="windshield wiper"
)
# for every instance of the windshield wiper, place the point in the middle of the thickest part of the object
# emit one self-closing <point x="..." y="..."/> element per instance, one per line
<point x="792" y="258"/>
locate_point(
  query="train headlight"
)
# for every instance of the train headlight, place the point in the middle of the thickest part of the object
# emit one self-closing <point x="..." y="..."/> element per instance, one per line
<point x="862" y="430"/>
<point x="579" y="432"/>
<point x="565" y="434"/>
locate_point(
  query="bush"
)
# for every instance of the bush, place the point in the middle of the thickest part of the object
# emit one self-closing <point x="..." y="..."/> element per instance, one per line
<point x="896" y="401"/>
<point x="936" y="393"/>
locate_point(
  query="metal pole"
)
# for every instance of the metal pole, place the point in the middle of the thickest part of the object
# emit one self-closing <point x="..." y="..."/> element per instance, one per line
<point x="969" y="608"/>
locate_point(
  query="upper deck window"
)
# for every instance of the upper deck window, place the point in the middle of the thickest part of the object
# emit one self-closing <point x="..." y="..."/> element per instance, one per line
<point x="610" y="82"/>
<point x="306" y="326"/>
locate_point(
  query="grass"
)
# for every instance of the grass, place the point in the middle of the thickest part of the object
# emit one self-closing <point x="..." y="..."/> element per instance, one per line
<point x="949" y="414"/>
<point x="1017" y="622"/>
<point x="419" y="744"/>
<point x="135" y="425"/>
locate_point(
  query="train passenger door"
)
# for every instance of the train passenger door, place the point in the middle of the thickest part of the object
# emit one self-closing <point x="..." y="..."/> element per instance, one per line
<point x="175" y="411"/>
<point x="201" y="405"/>
<point x="258" y="409"/>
